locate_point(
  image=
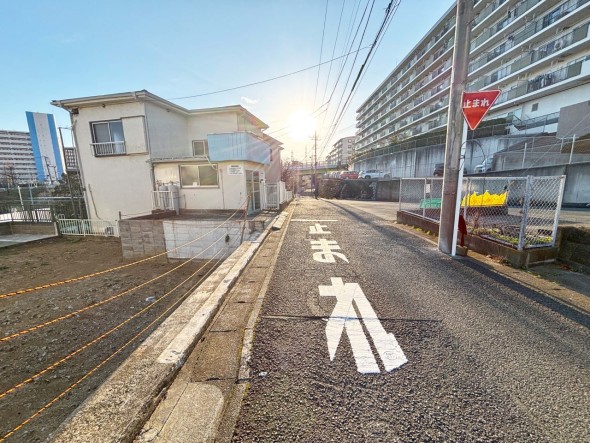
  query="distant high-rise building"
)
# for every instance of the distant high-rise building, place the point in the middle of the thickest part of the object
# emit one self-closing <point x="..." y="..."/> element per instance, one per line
<point x="17" y="163"/>
<point x="45" y="147"/>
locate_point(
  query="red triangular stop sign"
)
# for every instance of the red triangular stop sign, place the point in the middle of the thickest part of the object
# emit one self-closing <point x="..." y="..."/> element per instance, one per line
<point x="476" y="105"/>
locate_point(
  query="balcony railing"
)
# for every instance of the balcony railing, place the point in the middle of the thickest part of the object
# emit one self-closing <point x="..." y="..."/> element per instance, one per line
<point x="527" y="59"/>
<point x="542" y="81"/>
<point x="515" y="14"/>
<point x="529" y="30"/>
<point x="109" y="148"/>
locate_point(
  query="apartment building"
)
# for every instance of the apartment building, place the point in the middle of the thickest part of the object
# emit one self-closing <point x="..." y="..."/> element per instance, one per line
<point x="537" y="52"/>
<point x="17" y="163"/>
<point x="341" y="152"/>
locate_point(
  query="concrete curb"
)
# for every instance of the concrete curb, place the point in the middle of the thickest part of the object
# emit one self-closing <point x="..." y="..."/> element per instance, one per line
<point x="120" y="406"/>
<point x="278" y="224"/>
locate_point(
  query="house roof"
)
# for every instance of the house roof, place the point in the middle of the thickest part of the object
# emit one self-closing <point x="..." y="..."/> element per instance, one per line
<point x="144" y="95"/>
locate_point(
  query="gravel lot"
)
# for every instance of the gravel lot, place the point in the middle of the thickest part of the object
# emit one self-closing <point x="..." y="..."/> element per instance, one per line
<point x="25" y="356"/>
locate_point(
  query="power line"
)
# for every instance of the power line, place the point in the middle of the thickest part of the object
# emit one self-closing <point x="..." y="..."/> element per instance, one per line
<point x="337" y="115"/>
<point x="346" y="60"/>
<point x="389" y="13"/>
<point x="317" y="81"/>
<point x="333" y="50"/>
<point x="268" y="79"/>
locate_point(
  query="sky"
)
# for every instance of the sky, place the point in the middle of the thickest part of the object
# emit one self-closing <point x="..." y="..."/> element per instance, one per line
<point x="183" y="49"/>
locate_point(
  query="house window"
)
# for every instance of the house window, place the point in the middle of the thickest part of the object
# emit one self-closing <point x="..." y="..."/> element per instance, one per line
<point x="534" y="107"/>
<point x="194" y="176"/>
<point x="200" y="148"/>
<point x="108" y="138"/>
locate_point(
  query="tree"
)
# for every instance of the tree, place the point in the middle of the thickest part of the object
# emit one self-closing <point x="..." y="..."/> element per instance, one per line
<point x="288" y="175"/>
<point x="8" y="177"/>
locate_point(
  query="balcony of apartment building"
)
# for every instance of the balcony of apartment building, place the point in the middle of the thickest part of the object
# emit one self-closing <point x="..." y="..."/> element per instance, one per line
<point x="435" y="92"/>
<point x="500" y="19"/>
<point x="575" y="74"/>
<point x="436" y="97"/>
<point x="561" y="45"/>
<point x="425" y="58"/>
<point x="562" y="16"/>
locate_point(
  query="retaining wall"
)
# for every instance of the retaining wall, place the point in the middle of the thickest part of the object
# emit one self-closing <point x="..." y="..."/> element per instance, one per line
<point x="34" y="228"/>
<point x="144" y="238"/>
<point x="574" y="246"/>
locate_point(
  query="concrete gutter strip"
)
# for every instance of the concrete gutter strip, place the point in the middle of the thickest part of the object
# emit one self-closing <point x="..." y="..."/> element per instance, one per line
<point x="280" y="220"/>
<point x="177" y="351"/>
<point x="120" y="406"/>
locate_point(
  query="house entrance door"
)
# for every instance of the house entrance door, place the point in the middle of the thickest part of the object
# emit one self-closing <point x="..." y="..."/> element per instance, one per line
<point x="253" y="188"/>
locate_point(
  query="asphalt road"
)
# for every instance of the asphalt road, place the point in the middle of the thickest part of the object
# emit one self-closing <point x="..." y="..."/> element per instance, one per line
<point x="424" y="347"/>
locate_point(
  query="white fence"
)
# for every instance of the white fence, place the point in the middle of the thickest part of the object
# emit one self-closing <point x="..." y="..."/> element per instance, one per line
<point x="275" y="195"/>
<point x="41" y="215"/>
<point x="100" y="228"/>
<point x="521" y="212"/>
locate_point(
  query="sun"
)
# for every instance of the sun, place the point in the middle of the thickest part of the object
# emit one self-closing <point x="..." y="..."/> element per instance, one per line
<point x="301" y="125"/>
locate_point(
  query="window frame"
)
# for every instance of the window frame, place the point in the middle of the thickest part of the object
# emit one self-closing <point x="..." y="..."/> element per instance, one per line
<point x="205" y="148"/>
<point x="198" y="175"/>
<point x="114" y="143"/>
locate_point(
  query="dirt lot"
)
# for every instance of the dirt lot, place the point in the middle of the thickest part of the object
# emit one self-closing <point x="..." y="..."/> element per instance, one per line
<point x="22" y="357"/>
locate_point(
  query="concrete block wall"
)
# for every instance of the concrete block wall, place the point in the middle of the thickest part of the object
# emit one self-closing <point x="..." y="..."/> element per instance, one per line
<point x="144" y="238"/>
<point x="34" y="228"/>
<point x="211" y="241"/>
<point x="141" y="238"/>
<point x="5" y="228"/>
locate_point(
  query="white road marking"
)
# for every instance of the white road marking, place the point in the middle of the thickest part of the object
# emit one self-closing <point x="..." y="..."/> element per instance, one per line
<point x="318" y="229"/>
<point x="311" y="220"/>
<point x="326" y="248"/>
<point x="344" y="317"/>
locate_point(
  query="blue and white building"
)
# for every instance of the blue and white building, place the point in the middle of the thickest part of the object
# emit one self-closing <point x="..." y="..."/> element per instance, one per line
<point x="46" y="151"/>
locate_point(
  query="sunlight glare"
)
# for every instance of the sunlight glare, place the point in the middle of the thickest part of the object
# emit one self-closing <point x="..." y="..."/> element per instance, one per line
<point x="301" y="125"/>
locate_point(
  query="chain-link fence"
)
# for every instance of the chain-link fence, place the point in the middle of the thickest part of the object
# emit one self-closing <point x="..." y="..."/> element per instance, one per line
<point x="521" y="212"/>
<point x="421" y="196"/>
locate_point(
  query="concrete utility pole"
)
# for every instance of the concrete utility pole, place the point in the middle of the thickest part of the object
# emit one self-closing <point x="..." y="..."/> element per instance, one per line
<point x="455" y="126"/>
<point x="315" y="159"/>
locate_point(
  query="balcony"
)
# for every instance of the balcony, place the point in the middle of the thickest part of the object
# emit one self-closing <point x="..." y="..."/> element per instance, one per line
<point x="544" y="51"/>
<point x="108" y="148"/>
<point x="238" y="146"/>
<point x="546" y="80"/>
<point x="526" y="32"/>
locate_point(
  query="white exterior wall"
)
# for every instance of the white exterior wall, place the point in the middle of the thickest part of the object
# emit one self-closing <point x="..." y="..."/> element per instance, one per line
<point x="551" y="104"/>
<point x="200" y="125"/>
<point x="114" y="183"/>
<point x="167" y="131"/>
<point x="230" y="194"/>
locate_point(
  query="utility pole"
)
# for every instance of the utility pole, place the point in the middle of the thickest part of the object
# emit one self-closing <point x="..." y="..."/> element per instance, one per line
<point x="315" y="159"/>
<point x="456" y="127"/>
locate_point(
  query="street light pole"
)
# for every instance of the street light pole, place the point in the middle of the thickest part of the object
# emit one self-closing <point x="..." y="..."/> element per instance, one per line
<point x="455" y="126"/>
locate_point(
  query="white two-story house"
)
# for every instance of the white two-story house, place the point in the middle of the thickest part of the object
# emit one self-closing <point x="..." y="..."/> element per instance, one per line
<point x="134" y="143"/>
